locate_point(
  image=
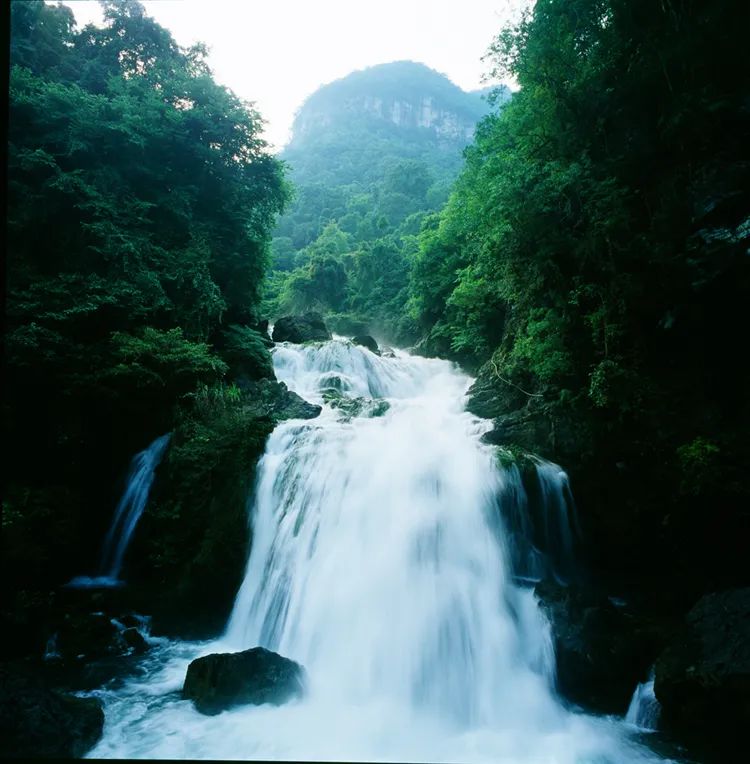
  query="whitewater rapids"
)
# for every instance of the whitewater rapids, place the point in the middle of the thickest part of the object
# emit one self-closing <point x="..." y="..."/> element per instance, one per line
<point x="380" y="563"/>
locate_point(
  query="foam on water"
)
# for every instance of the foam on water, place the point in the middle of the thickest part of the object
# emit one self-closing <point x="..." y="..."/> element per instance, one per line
<point x="380" y="562"/>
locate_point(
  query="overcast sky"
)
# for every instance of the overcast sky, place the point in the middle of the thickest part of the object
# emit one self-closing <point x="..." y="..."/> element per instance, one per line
<point x="277" y="52"/>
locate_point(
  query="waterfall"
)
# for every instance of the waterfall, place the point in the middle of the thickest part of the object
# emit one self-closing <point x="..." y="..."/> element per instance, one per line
<point x="644" y="709"/>
<point x="127" y="513"/>
<point x="541" y="523"/>
<point x="380" y="562"/>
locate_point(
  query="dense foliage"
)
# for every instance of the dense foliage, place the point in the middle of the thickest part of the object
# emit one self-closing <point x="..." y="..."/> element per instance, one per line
<point x="367" y="168"/>
<point x="141" y="199"/>
<point x="594" y="255"/>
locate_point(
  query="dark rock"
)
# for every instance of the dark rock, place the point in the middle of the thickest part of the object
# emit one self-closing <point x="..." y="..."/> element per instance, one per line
<point x="601" y="651"/>
<point x="135" y="640"/>
<point x="36" y="721"/>
<point x="222" y="680"/>
<point x="277" y="401"/>
<point x="131" y="620"/>
<point x="89" y="636"/>
<point x="307" y="328"/>
<point x="520" y="428"/>
<point x="491" y="397"/>
<point x="703" y="675"/>
<point x="366" y="341"/>
<point x="246" y="353"/>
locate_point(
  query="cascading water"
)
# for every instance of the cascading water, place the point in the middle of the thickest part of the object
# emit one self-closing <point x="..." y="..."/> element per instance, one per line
<point x="380" y="563"/>
<point x="541" y="523"/>
<point x="128" y="512"/>
<point x="644" y="709"/>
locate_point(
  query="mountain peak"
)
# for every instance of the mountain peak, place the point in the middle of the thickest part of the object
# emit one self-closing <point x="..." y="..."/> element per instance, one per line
<point x="405" y="94"/>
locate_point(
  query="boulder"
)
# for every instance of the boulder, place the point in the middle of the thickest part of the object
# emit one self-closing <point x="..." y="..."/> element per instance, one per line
<point x="135" y="640"/>
<point x="601" y="651"/>
<point x="307" y="328"/>
<point x="222" y="680"/>
<point x="703" y="675"/>
<point x="365" y="340"/>
<point x="36" y="721"/>
<point x="276" y="400"/>
<point x="355" y="407"/>
<point x="89" y="636"/>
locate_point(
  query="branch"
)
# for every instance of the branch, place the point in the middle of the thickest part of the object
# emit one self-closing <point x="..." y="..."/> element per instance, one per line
<point x="508" y="382"/>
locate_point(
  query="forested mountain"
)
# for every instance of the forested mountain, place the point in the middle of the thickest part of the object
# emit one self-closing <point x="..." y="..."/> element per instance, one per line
<point x="370" y="155"/>
<point x="582" y="249"/>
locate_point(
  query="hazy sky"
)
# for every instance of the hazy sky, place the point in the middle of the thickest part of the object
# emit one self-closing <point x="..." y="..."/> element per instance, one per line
<point x="277" y="52"/>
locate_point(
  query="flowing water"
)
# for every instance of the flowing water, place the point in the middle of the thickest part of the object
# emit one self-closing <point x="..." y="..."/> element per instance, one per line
<point x="644" y="709"/>
<point x="128" y="512"/>
<point x="381" y="563"/>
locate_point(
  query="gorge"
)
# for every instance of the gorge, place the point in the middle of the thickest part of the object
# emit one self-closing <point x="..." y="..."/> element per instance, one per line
<point x="424" y="438"/>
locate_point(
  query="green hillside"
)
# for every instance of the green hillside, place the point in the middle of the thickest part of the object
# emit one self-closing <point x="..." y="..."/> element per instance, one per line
<point x="371" y="154"/>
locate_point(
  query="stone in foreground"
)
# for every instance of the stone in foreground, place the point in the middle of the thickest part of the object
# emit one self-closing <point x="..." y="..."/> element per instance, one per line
<point x="703" y="676"/>
<point x="222" y="680"/>
<point x="37" y="721"/>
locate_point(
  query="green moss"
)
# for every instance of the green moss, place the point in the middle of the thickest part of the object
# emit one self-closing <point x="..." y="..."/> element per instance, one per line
<point x="194" y="536"/>
<point x="513" y="455"/>
<point x="700" y="465"/>
<point x="246" y="353"/>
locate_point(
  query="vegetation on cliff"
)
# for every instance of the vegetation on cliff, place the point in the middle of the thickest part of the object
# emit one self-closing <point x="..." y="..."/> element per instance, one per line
<point x="592" y="259"/>
<point x="140" y="207"/>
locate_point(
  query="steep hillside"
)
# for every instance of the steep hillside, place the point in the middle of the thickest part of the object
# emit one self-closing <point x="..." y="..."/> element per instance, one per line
<point x="371" y="154"/>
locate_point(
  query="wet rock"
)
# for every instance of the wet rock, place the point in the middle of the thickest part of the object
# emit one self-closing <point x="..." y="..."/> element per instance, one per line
<point x="365" y="340"/>
<point x="355" y="407"/>
<point x="276" y="400"/>
<point x="222" y="680"/>
<point x="135" y="640"/>
<point x="332" y="383"/>
<point x="307" y="328"/>
<point x="37" y="721"/>
<point x="703" y="675"/>
<point x="601" y="651"/>
<point x="519" y="428"/>
<point x="89" y="636"/>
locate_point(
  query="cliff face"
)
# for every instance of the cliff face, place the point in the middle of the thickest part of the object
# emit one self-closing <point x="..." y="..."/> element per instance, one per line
<point x="425" y="112"/>
<point x="403" y="93"/>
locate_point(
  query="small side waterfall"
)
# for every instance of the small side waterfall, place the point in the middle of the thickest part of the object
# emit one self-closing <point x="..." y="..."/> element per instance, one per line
<point x="644" y="709"/>
<point x="128" y="512"/>
<point x="541" y="520"/>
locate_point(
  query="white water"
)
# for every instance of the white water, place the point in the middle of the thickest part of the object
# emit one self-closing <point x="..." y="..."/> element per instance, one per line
<point x="644" y="709"/>
<point x="128" y="512"/>
<point x="541" y="531"/>
<point x="380" y="563"/>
